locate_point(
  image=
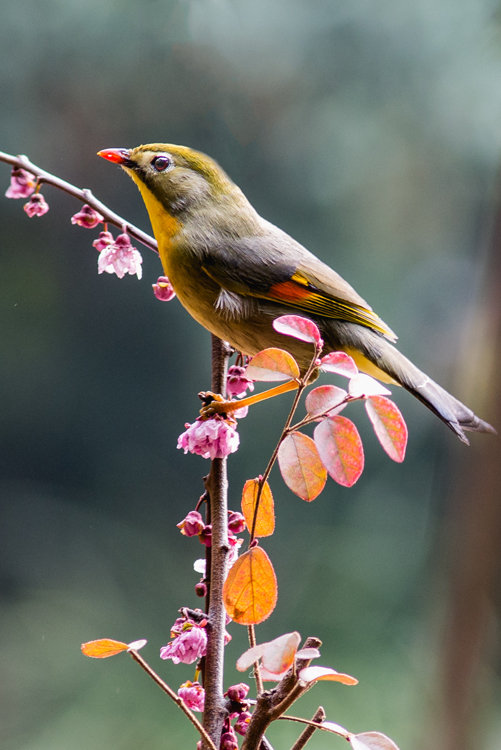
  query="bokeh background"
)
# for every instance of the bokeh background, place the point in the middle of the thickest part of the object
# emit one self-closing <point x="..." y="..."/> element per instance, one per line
<point x="371" y="132"/>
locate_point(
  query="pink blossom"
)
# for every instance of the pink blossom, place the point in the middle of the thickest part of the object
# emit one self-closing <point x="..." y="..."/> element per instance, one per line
<point x="228" y="740"/>
<point x="163" y="289"/>
<point x="206" y="535"/>
<point x="193" y="695"/>
<point x="242" y="723"/>
<point x="102" y="242"/>
<point x="187" y="647"/>
<point x="22" y="184"/>
<point x="237" y="384"/>
<point x="236" y="522"/>
<point x="238" y="692"/>
<point x="210" y="438"/>
<point x="192" y="525"/>
<point x="120" y="258"/>
<point x="87" y="217"/>
<point x="36" y="206"/>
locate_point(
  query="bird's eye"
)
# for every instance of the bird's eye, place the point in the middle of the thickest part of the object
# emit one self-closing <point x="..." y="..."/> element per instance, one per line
<point x="161" y="163"/>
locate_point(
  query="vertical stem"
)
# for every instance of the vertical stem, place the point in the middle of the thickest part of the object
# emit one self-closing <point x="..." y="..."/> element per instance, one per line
<point x="217" y="489"/>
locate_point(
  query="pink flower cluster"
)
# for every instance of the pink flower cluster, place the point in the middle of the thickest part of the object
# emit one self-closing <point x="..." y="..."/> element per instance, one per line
<point x="210" y="438"/>
<point x="115" y="255"/>
<point x="193" y="695"/>
<point x="23" y="185"/>
<point x="118" y="255"/>
<point x="189" y="641"/>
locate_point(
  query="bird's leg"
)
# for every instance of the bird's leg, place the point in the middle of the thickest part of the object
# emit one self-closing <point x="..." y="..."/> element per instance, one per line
<point x="213" y="403"/>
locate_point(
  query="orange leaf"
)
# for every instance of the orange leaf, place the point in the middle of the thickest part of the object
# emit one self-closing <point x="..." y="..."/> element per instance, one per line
<point x="389" y="426"/>
<point x="103" y="648"/>
<point x="250" y="590"/>
<point x="301" y="467"/>
<point x="340" y="449"/>
<point x="265" y="521"/>
<point x="272" y="364"/>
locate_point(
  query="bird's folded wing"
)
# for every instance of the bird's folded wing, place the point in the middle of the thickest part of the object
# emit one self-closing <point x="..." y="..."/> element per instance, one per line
<point x="296" y="279"/>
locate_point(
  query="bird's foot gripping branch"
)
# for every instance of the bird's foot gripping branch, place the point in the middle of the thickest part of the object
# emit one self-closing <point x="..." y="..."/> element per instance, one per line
<point x="240" y="587"/>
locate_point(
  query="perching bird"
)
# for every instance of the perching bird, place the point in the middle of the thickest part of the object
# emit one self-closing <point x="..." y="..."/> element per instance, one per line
<point x="235" y="273"/>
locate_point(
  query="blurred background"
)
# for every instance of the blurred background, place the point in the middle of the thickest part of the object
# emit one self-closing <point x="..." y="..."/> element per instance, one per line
<point x="370" y="132"/>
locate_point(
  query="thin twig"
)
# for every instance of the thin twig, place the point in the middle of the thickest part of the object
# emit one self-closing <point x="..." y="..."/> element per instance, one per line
<point x="306" y="735"/>
<point x="257" y="669"/>
<point x="179" y="701"/>
<point x="82" y="194"/>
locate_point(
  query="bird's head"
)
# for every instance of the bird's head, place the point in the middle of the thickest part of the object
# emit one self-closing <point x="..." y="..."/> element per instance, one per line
<point x="179" y="178"/>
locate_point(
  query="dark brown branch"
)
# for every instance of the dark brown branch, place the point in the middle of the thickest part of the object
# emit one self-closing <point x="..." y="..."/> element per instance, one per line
<point x="217" y="490"/>
<point x="273" y="703"/>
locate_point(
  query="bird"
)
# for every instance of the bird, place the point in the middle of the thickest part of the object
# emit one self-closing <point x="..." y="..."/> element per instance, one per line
<point x="235" y="273"/>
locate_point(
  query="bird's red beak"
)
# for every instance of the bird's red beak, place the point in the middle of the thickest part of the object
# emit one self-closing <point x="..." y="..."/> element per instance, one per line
<point x="116" y="155"/>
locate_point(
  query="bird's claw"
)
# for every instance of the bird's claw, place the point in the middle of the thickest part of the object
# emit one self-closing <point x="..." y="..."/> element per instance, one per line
<point x="212" y="404"/>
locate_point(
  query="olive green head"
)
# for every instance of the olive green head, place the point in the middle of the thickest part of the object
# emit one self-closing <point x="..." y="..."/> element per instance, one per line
<point x="179" y="177"/>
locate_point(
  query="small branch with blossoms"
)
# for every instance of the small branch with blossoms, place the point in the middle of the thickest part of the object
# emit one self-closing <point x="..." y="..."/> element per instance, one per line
<point x="241" y="588"/>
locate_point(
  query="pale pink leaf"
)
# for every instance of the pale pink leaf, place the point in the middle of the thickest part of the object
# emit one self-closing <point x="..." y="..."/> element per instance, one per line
<point x="136" y="645"/>
<point x="301" y="467"/>
<point x="298" y="327"/>
<point x="280" y="653"/>
<point x="389" y="426"/>
<point x="314" y="674"/>
<point x="340" y="449"/>
<point x="372" y="741"/>
<point x="340" y="363"/>
<point x="308" y="653"/>
<point x="250" y="657"/>
<point x="277" y="655"/>
<point x="324" y="398"/>
<point x="363" y="386"/>
<point x="331" y="726"/>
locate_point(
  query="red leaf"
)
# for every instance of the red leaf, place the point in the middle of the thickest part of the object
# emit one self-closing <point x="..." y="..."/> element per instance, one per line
<point x="340" y="363"/>
<point x="265" y="521"/>
<point x="272" y="364"/>
<point x="103" y="648"/>
<point x="250" y="590"/>
<point x="324" y="398"/>
<point x="301" y="467"/>
<point x="340" y="449"/>
<point x="298" y="327"/>
<point x="389" y="426"/>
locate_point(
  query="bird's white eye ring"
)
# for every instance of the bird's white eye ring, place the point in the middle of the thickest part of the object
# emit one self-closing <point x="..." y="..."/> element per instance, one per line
<point x="161" y="163"/>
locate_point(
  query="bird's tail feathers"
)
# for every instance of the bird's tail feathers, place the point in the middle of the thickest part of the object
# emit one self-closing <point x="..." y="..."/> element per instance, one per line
<point x="449" y="409"/>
